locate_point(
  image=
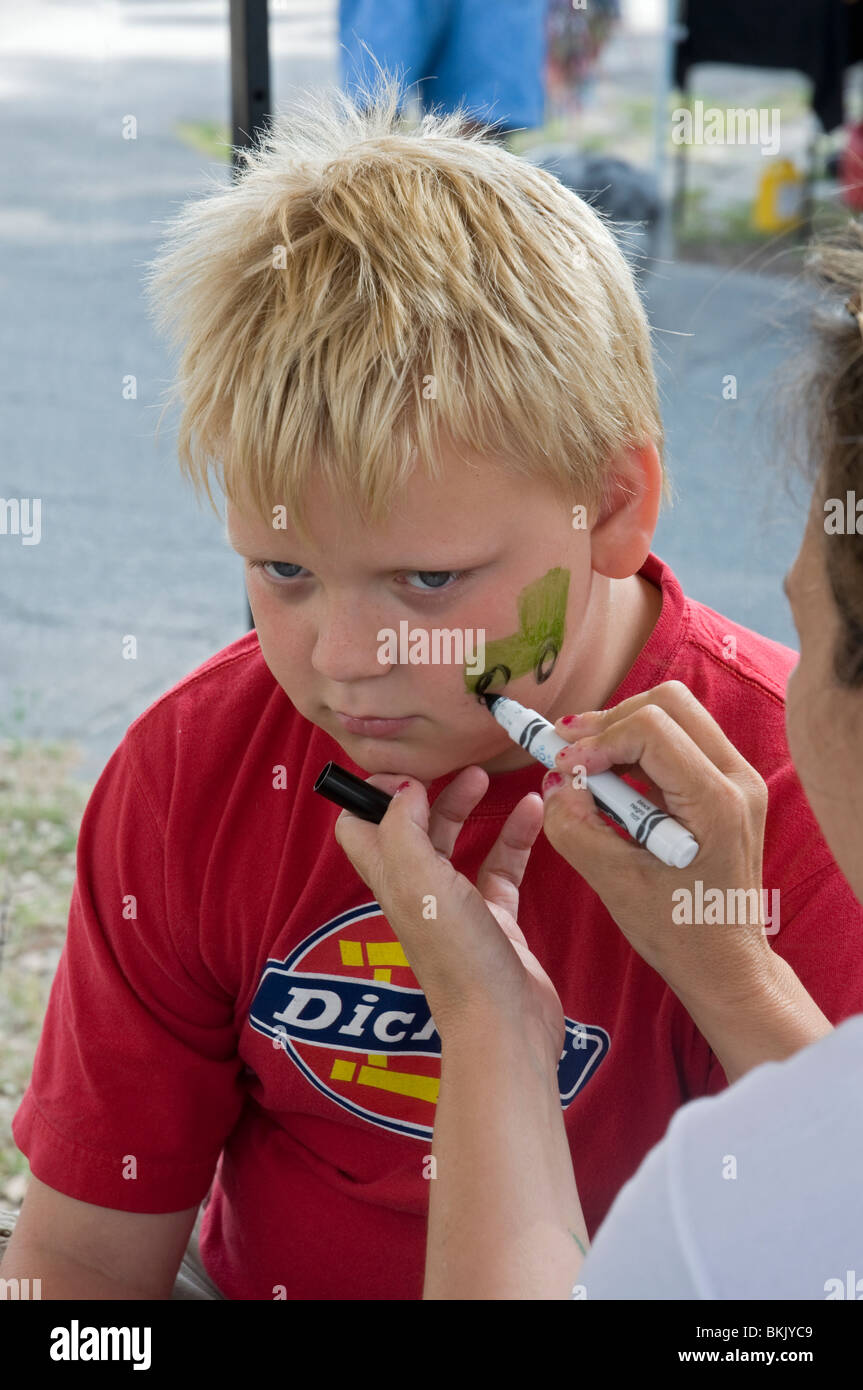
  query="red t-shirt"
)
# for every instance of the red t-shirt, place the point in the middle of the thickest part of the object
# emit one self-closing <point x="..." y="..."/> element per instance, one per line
<point x="231" y="1007"/>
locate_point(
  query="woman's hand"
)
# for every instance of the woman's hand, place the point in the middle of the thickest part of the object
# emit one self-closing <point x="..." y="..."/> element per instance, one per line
<point x="673" y="747"/>
<point x="505" y="1219"/>
<point x="463" y="943"/>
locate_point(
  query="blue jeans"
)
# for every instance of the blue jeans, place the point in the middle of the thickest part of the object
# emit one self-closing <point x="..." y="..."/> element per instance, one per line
<point x="491" y="53"/>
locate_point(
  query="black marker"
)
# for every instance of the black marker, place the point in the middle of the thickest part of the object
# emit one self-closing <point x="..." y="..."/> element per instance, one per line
<point x="352" y="793"/>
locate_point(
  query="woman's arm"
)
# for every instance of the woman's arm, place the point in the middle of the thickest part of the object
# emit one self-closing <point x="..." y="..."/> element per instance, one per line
<point x="505" y="1220"/>
<point x="766" y="1020"/>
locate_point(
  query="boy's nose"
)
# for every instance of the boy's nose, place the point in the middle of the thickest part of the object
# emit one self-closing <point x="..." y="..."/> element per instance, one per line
<point x="346" y="650"/>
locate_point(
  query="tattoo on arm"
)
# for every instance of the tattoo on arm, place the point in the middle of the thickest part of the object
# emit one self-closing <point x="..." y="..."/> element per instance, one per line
<point x="578" y="1243"/>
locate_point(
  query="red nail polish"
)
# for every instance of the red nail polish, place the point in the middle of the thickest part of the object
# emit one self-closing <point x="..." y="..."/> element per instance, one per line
<point x="401" y="786"/>
<point x="550" y="780"/>
<point x="571" y="750"/>
<point x="569" y="719"/>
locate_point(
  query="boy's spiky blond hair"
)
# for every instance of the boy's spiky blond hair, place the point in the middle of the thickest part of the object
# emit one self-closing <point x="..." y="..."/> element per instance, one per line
<point x="370" y="285"/>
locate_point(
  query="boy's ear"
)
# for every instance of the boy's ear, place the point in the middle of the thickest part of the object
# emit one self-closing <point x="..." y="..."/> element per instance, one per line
<point x="621" y="538"/>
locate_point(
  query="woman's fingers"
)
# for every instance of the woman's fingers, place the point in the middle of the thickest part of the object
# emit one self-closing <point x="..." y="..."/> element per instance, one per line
<point x="648" y="739"/>
<point x="652" y="740"/>
<point x="723" y="806"/>
<point x="575" y="828"/>
<point x="679" y="703"/>
<point x="361" y="840"/>
<point x="451" y="807"/>
<point x="707" y="786"/>
<point x="502" y="870"/>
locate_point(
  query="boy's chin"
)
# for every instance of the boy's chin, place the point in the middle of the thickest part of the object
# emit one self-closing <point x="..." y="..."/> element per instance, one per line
<point x="422" y="767"/>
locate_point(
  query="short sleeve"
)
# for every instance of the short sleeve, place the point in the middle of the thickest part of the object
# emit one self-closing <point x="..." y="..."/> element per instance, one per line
<point x="136" y="1081"/>
<point x="751" y="1194"/>
<point x="636" y="1253"/>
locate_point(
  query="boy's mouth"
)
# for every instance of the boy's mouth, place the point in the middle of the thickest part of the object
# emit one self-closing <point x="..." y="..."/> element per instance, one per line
<point x="373" y="725"/>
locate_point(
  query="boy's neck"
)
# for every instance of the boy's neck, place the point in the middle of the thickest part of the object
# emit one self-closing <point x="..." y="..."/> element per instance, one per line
<point x="629" y="609"/>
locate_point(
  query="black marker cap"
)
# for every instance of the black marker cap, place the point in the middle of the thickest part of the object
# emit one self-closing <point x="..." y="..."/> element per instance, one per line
<point x="352" y="793"/>
<point x="491" y="700"/>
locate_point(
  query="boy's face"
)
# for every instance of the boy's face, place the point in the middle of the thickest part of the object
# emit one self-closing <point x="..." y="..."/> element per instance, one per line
<point x="456" y="555"/>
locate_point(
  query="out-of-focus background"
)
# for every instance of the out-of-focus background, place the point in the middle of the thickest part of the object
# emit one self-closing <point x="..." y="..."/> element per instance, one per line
<point x="117" y="112"/>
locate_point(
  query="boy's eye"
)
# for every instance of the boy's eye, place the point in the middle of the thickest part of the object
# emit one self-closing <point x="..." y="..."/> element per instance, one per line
<point x="436" y="579"/>
<point x="432" y="580"/>
<point x="265" y="565"/>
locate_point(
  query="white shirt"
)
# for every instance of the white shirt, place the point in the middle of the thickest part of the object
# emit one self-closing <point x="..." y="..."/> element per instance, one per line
<point x="754" y="1193"/>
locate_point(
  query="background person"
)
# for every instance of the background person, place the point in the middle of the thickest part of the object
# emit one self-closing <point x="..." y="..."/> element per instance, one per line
<point x="488" y="57"/>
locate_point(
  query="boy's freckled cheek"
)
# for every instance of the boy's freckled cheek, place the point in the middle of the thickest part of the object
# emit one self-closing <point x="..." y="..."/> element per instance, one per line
<point x="287" y="646"/>
<point x="436" y="689"/>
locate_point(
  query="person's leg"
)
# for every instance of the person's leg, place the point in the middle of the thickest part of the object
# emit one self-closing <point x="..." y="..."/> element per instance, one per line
<point x="403" y="36"/>
<point x="493" y="58"/>
<point x="192" y="1282"/>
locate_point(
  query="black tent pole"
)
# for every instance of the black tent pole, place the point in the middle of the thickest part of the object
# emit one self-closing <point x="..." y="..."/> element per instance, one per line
<point x="250" y="87"/>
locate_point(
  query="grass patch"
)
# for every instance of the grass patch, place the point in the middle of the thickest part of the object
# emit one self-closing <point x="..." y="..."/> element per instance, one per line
<point x="212" y="138"/>
<point x="40" y="810"/>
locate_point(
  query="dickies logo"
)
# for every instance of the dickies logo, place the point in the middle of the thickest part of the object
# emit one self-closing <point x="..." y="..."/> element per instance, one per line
<point x="346" y="1009"/>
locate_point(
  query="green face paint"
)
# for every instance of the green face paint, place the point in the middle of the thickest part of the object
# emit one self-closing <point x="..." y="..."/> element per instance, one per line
<point x="534" y="647"/>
